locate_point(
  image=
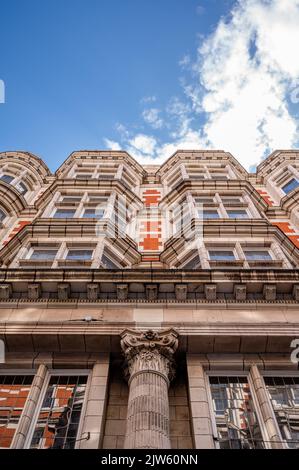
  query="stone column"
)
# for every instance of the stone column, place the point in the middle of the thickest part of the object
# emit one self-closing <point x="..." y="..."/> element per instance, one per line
<point x="29" y="409"/>
<point x="150" y="367"/>
<point x="265" y="406"/>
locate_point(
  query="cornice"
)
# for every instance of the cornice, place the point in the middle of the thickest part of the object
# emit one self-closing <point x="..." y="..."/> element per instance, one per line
<point x="85" y="185"/>
<point x="214" y="185"/>
<point x="107" y="154"/>
<point x="29" y="160"/>
<point x="195" y="155"/>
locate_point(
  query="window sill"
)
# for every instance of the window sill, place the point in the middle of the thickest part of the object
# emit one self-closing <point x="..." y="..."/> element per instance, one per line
<point x="37" y="263"/>
<point x="73" y="263"/>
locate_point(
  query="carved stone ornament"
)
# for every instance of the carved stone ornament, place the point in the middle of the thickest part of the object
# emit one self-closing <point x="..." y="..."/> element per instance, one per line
<point x="149" y="351"/>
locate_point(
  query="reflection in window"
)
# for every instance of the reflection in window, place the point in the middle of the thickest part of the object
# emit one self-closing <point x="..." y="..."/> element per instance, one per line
<point x="237" y="214"/>
<point x="7" y="178"/>
<point x="59" y="416"/>
<point x="284" y="395"/>
<point x="39" y="254"/>
<point x="257" y="255"/>
<point x="21" y="188"/>
<point x="210" y="214"/>
<point x="107" y="263"/>
<point x="236" y="420"/>
<point x="292" y="184"/>
<point x="221" y="255"/>
<point x="193" y="263"/>
<point x="14" y="390"/>
<point x="93" y="214"/>
<point x="79" y="255"/>
<point x="64" y="213"/>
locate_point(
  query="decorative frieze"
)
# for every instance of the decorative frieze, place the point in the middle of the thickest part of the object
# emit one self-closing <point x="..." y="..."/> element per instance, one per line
<point x="63" y="291"/>
<point x="240" y="291"/>
<point x="269" y="292"/>
<point x="181" y="291"/>
<point x="122" y="291"/>
<point x="149" y="368"/>
<point x="211" y="291"/>
<point x="34" y="291"/>
<point x="151" y="291"/>
<point x="5" y="291"/>
<point x="92" y="291"/>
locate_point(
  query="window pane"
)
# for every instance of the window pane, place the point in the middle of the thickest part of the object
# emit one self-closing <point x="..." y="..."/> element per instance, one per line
<point x="108" y="263"/>
<point x="93" y="214"/>
<point x="222" y="255"/>
<point x="236" y="420"/>
<point x="43" y="254"/>
<point x="210" y="214"/>
<point x="58" y="419"/>
<point x="21" y="188"/>
<point x="2" y="215"/>
<point x="292" y="184"/>
<point x="79" y="254"/>
<point x="237" y="214"/>
<point x="194" y="263"/>
<point x="7" y="178"/>
<point x="262" y="255"/>
<point x="284" y="396"/>
<point x="64" y="213"/>
<point x="14" y="391"/>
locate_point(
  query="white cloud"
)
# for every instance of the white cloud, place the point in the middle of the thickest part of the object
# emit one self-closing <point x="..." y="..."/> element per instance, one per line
<point x="111" y="144"/>
<point x="239" y="90"/>
<point x="143" y="143"/>
<point x="152" y="117"/>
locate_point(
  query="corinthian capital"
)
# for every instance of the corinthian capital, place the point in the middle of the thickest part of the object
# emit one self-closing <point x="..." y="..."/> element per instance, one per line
<point x="150" y="351"/>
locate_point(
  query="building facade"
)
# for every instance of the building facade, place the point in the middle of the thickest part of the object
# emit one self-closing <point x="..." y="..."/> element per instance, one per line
<point x="149" y="306"/>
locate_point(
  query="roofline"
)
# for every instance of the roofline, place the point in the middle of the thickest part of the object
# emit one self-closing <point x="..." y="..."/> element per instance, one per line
<point x="40" y="161"/>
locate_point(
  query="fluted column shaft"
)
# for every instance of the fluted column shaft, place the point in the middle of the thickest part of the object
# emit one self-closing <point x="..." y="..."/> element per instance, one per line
<point x="150" y="363"/>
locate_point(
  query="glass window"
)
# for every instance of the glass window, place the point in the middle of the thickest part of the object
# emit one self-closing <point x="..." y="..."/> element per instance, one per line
<point x="257" y="255"/>
<point x="193" y="263"/>
<point x="64" y="213"/>
<point x="234" y="411"/>
<point x="292" y="184"/>
<point x="284" y="396"/>
<point x="79" y="255"/>
<point x="59" y="416"/>
<point x="210" y="214"/>
<point x="2" y="215"/>
<point x="41" y="254"/>
<point x="14" y="390"/>
<point x="21" y="188"/>
<point x="7" y="178"/>
<point x="107" y="263"/>
<point x="237" y="214"/>
<point x="221" y="255"/>
<point x="93" y="214"/>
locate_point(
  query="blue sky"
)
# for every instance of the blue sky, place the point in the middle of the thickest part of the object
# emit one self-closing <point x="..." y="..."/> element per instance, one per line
<point x="148" y="76"/>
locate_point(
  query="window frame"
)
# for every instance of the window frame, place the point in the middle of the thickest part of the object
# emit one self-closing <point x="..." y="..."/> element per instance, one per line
<point x="49" y="374"/>
<point x="232" y="373"/>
